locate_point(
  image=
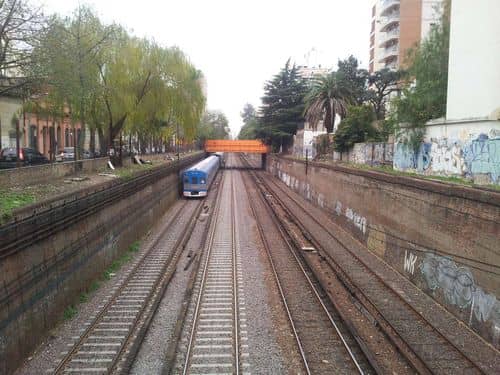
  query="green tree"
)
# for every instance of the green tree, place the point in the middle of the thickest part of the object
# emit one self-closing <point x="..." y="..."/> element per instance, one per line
<point x="282" y="107"/>
<point x="425" y="97"/>
<point x="249" y="113"/>
<point x="142" y="82"/>
<point x="353" y="79"/>
<point x="213" y="125"/>
<point x="21" y="25"/>
<point x="382" y="84"/>
<point x="250" y="123"/>
<point x="327" y="98"/>
<point x="116" y="83"/>
<point x="357" y="127"/>
<point x="65" y="65"/>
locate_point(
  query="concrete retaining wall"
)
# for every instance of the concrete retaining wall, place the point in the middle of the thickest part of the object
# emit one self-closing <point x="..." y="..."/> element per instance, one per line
<point x="48" y="172"/>
<point x="444" y="238"/>
<point x="38" y="283"/>
<point x="379" y="153"/>
<point x="463" y="149"/>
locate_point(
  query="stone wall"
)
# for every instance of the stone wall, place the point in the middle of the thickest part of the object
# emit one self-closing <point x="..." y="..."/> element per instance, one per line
<point x="39" y="282"/>
<point x="444" y="238"/>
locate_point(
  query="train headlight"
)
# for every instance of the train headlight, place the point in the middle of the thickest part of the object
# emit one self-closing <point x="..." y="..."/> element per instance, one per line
<point x="202" y="181"/>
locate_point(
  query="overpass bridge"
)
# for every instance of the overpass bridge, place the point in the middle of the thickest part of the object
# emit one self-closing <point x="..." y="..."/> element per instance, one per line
<point x="238" y="146"/>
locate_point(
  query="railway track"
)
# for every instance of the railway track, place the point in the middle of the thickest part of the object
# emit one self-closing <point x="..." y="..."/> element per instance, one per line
<point x="215" y="325"/>
<point x="111" y="339"/>
<point x="325" y="345"/>
<point x="422" y="344"/>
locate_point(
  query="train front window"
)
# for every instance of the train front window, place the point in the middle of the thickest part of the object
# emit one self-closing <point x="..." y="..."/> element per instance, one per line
<point x="194" y="180"/>
<point x="186" y="180"/>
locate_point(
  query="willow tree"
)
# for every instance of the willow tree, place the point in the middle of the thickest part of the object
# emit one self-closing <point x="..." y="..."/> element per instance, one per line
<point x="144" y="83"/>
<point x="115" y="82"/>
<point x="66" y="61"/>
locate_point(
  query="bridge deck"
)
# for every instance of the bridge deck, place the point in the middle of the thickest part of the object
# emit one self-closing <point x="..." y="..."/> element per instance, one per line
<point x="226" y="145"/>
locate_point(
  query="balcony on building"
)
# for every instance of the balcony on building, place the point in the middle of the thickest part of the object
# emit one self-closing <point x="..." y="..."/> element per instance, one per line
<point x="389" y="37"/>
<point x="390" y="21"/>
<point x="389" y="53"/>
<point x="392" y="64"/>
<point x="389" y="6"/>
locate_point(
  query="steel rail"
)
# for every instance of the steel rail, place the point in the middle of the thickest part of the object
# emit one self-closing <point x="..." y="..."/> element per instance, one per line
<point x="62" y="364"/>
<point x="291" y="248"/>
<point x="196" y="261"/>
<point x="132" y="273"/>
<point x="280" y="288"/>
<point x="421" y="365"/>
<point x="313" y="287"/>
<point x="210" y="249"/>
<point x="211" y="237"/>
<point x="160" y="287"/>
<point x="235" y="277"/>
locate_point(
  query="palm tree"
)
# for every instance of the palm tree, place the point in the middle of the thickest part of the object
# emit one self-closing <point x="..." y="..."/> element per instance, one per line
<point x="326" y="99"/>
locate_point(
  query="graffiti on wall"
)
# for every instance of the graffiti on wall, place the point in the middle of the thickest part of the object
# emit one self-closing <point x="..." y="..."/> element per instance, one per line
<point x="447" y="157"/>
<point x="459" y="288"/>
<point x="482" y="156"/>
<point x="373" y="153"/>
<point x="477" y="156"/>
<point x="409" y="262"/>
<point x="405" y="158"/>
<point x="358" y="220"/>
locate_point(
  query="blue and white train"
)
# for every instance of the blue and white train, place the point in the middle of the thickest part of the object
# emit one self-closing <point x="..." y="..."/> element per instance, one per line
<point x="197" y="179"/>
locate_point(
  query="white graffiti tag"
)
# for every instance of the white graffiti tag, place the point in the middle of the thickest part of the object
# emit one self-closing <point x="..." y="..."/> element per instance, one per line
<point x="358" y="220"/>
<point x="410" y="260"/>
<point x="338" y="208"/>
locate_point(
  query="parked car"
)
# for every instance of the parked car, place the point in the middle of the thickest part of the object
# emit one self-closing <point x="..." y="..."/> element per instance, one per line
<point x="27" y="156"/>
<point x="68" y="153"/>
<point x="86" y="154"/>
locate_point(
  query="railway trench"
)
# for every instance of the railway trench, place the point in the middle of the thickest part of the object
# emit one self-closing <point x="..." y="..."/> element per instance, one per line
<point x="237" y="284"/>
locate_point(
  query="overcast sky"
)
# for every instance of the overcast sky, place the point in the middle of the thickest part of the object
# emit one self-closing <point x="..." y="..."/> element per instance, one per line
<point x="240" y="44"/>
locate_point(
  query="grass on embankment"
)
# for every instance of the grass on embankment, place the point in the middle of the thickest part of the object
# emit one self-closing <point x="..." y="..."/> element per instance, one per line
<point x="72" y="310"/>
<point x="129" y="172"/>
<point x="10" y="200"/>
<point x="449" y="179"/>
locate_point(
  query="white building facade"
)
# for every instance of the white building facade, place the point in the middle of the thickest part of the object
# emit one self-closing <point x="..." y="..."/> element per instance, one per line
<point x="467" y="142"/>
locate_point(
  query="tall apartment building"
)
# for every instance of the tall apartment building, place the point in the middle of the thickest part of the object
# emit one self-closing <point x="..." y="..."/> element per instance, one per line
<point x="397" y="26"/>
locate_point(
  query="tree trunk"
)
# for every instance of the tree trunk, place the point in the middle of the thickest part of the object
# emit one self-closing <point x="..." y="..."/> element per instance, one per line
<point x="92" y="142"/>
<point x="103" y="141"/>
